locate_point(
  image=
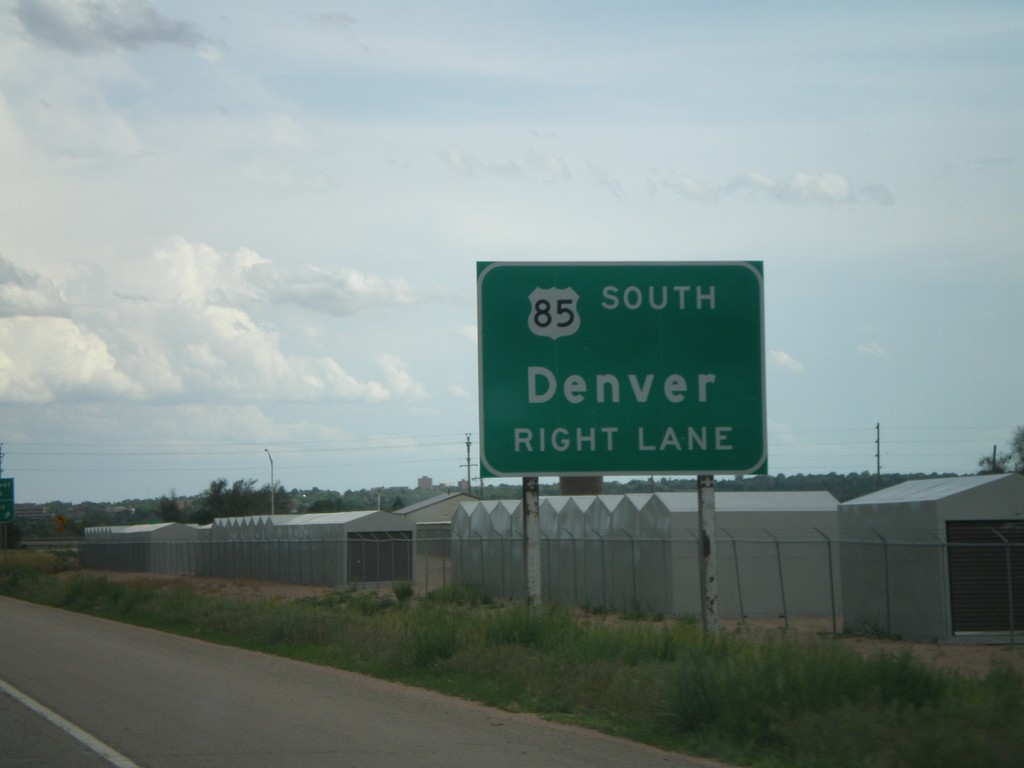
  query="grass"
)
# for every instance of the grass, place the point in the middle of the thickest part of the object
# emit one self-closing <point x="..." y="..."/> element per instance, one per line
<point x="763" y="700"/>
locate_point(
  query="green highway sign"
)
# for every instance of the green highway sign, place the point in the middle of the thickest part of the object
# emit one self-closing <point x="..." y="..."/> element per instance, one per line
<point x="6" y="499"/>
<point x="621" y="368"/>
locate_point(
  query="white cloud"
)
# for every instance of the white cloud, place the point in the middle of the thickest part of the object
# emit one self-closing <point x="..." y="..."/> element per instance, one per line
<point x="46" y="358"/>
<point x="399" y="380"/>
<point x="602" y="178"/>
<point x="801" y="187"/>
<point x="26" y="293"/>
<point x="181" y="272"/>
<point x="551" y="167"/>
<point x="784" y="360"/>
<point x="459" y="391"/>
<point x="685" y="186"/>
<point x="103" y="25"/>
<point x="339" y="292"/>
<point x="873" y="349"/>
<point x="468" y="165"/>
<point x="181" y="323"/>
<point x="829" y="187"/>
<point x="468" y="332"/>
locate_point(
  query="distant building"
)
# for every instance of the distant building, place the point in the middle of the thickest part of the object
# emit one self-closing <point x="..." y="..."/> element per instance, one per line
<point x="425" y="483"/>
<point x="438" y="509"/>
<point x="31" y="513"/>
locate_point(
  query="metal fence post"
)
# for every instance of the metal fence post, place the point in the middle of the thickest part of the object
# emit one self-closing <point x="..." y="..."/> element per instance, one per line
<point x="632" y="568"/>
<point x="739" y="582"/>
<point x="575" y="578"/>
<point x="782" y="583"/>
<point x="831" y="579"/>
<point x="444" y="561"/>
<point x="483" y="579"/>
<point x="885" y="557"/>
<point x="1009" y="586"/>
<point x="667" y="579"/>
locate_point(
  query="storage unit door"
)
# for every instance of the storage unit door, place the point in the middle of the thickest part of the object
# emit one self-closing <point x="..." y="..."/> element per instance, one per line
<point x="986" y="575"/>
<point x="377" y="556"/>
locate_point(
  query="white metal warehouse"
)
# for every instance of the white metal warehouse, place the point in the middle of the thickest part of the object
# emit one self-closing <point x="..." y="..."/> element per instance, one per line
<point x="937" y="559"/>
<point x="640" y="551"/>
<point x="150" y="548"/>
<point x="329" y="548"/>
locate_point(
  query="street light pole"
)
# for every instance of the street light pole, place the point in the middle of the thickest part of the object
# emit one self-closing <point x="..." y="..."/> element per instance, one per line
<point x="271" y="480"/>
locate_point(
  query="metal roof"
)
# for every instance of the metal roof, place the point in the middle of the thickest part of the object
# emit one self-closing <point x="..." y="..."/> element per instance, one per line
<point x="432" y="501"/>
<point x="931" y="489"/>
<point x="755" y="501"/>
<point x="325" y="518"/>
<point x="725" y="501"/>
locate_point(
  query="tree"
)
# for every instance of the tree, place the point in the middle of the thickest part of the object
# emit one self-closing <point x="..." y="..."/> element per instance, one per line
<point x="1017" y="449"/>
<point x="241" y="499"/>
<point x="1007" y="461"/>
<point x="996" y="464"/>
<point x="170" y="509"/>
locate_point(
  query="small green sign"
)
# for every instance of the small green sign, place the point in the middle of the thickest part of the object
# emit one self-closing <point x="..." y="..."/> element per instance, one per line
<point x="621" y="368"/>
<point x="6" y="499"/>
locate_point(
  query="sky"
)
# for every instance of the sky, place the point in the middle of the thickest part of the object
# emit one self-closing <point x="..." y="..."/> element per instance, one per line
<point x="241" y="237"/>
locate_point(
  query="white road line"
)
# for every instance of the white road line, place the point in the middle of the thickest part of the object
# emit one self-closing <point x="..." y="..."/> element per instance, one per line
<point x="108" y="753"/>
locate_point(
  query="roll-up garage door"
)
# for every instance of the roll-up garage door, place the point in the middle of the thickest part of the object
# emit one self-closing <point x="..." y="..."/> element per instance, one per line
<point x="379" y="556"/>
<point x="986" y="575"/>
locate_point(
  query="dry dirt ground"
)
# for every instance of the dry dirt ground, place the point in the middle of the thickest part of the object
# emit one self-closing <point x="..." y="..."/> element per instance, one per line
<point x="968" y="659"/>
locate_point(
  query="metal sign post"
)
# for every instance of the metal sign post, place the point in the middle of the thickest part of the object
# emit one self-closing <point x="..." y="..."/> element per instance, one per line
<point x="6" y="510"/>
<point x="709" y="553"/>
<point x="531" y="540"/>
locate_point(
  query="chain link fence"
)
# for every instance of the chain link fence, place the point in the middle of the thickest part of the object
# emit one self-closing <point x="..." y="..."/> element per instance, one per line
<point x="875" y="583"/>
<point x="360" y="558"/>
<point x="764" y="576"/>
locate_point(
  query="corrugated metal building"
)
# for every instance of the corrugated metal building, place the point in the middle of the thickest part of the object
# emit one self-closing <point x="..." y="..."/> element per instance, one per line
<point x="331" y="549"/>
<point x="938" y="559"/>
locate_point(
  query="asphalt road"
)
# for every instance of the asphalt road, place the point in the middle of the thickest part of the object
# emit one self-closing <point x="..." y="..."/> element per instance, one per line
<point x="162" y="701"/>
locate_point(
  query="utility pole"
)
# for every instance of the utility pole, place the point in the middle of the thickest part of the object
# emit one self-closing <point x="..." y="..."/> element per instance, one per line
<point x="469" y="466"/>
<point x="878" y="455"/>
<point x="272" y="494"/>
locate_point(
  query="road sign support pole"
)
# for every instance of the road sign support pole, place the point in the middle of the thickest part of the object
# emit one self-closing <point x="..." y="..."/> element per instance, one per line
<point x="709" y="553"/>
<point x="531" y="540"/>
